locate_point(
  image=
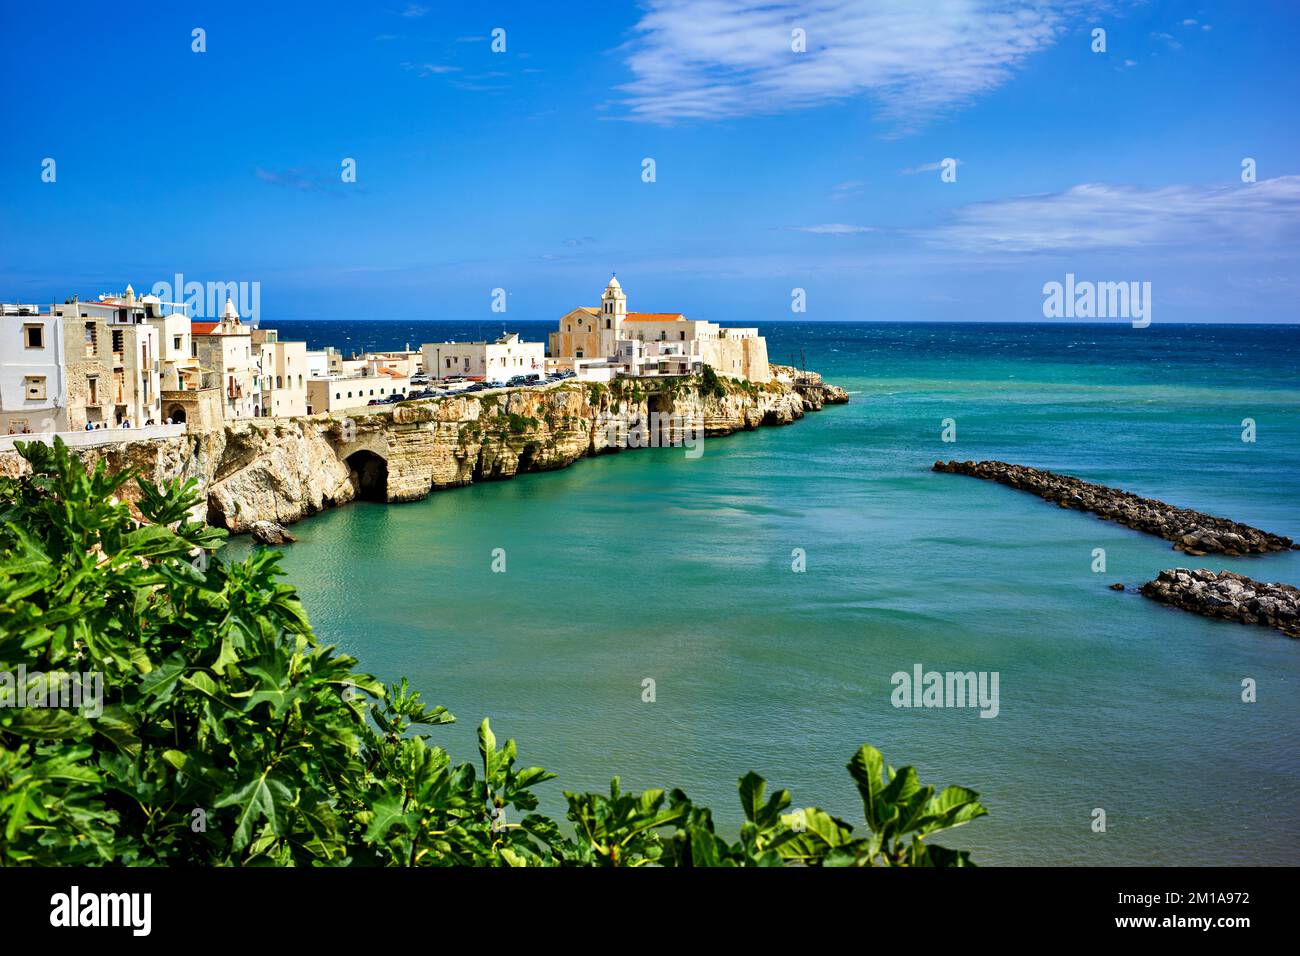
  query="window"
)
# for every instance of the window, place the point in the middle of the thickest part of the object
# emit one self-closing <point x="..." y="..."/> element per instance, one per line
<point x="683" y="336"/>
<point x="34" y="388"/>
<point x="279" y="381"/>
<point x="34" y="336"/>
<point x="92" y="390"/>
<point x="91" y="338"/>
<point x="176" y="342"/>
<point x="118" y="340"/>
<point x="607" y="325"/>
<point x="578" y="354"/>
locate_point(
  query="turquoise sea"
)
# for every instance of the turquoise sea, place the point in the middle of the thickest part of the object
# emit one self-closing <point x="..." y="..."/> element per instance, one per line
<point x="648" y="564"/>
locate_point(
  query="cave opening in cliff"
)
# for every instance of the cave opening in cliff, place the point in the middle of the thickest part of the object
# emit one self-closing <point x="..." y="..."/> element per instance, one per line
<point x="369" y="474"/>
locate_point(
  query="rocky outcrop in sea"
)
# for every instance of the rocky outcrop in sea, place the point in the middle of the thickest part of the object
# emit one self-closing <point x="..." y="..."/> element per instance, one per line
<point x="1191" y="531"/>
<point x="1230" y="597"/>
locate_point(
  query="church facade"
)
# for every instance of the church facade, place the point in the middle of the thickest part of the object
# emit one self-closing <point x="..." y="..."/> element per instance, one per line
<point x="611" y="330"/>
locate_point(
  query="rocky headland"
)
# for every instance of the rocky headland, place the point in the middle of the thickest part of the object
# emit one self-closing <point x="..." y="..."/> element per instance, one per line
<point x="1192" y="532"/>
<point x="1230" y="597"/>
<point x="283" y="470"/>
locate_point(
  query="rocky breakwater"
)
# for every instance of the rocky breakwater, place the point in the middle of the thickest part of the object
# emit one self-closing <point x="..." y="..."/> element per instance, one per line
<point x="1192" y="532"/>
<point x="283" y="470"/>
<point x="1230" y="597"/>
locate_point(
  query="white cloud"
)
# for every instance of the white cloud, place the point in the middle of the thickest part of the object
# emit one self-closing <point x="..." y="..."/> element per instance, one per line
<point x="833" y="229"/>
<point x="430" y="69"/>
<point x="713" y="59"/>
<point x="1096" y="216"/>
<point x="928" y="167"/>
<point x="414" y="10"/>
<point x="846" y="190"/>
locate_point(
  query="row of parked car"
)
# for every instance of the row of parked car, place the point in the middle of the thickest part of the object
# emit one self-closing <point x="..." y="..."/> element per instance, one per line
<point x="416" y="394"/>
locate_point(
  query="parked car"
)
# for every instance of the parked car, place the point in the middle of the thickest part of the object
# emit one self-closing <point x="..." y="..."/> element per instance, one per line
<point x="376" y="401"/>
<point x="477" y="387"/>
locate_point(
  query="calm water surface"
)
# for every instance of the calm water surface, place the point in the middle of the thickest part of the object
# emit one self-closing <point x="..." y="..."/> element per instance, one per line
<point x="647" y="564"/>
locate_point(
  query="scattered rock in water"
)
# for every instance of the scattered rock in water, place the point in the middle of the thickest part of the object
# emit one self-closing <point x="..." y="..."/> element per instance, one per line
<point x="1229" y="597"/>
<point x="1192" y="532"/>
<point x="268" y="532"/>
<point x="1117" y="587"/>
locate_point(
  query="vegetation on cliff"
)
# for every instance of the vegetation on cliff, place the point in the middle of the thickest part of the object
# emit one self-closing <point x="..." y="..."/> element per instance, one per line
<point x="229" y="736"/>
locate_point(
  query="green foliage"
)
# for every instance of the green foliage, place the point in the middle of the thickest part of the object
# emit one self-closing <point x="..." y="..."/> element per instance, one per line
<point x="710" y="384"/>
<point x="229" y="736"/>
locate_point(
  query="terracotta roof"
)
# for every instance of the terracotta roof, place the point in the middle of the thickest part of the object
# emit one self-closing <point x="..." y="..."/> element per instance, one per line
<point x="391" y="371"/>
<point x="202" y="328"/>
<point x="656" y="317"/>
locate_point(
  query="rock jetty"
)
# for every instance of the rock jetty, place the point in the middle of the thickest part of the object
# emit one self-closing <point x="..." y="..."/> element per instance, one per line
<point x="1191" y="532"/>
<point x="1230" y="597"/>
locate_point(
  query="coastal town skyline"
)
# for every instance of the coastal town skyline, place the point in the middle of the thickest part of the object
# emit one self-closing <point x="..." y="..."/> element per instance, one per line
<point x="489" y="161"/>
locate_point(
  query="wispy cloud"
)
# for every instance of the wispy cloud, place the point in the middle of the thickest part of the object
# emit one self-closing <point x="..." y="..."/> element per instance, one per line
<point x="846" y="190"/>
<point x="927" y="167"/>
<point x="302" y="179"/>
<point x="430" y="69"/>
<point x="833" y="229"/>
<point x="715" y="59"/>
<point x="414" y="10"/>
<point x="1094" y="217"/>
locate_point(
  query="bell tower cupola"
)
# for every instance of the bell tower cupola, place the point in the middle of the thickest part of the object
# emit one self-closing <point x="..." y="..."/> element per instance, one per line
<point x="613" y="305"/>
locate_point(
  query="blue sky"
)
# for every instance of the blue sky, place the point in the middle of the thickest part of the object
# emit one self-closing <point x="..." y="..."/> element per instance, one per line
<point x="775" y="170"/>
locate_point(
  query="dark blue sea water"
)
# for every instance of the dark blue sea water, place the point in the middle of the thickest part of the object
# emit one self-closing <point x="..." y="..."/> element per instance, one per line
<point x="652" y="565"/>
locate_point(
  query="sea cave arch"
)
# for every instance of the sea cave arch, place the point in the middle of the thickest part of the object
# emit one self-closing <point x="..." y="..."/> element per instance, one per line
<point x="369" y="474"/>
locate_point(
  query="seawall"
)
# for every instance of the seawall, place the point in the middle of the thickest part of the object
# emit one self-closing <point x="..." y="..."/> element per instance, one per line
<point x="1192" y="532"/>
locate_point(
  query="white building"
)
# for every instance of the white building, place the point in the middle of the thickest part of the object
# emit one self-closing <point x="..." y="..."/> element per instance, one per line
<point x="602" y="332"/>
<point x="355" y="391"/>
<point x="115" y="365"/>
<point x="33" y="388"/>
<point x="225" y="349"/>
<point x="282" y="374"/>
<point x="496" y="361"/>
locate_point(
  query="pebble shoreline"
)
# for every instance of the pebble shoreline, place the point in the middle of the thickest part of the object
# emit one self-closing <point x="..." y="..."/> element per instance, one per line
<point x="1192" y="532"/>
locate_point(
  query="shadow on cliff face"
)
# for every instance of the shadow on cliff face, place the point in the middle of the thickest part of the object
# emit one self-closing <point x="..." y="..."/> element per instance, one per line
<point x="369" y="475"/>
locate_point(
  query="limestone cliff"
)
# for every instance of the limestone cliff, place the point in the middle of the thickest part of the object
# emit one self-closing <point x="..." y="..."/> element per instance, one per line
<point x="283" y="470"/>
